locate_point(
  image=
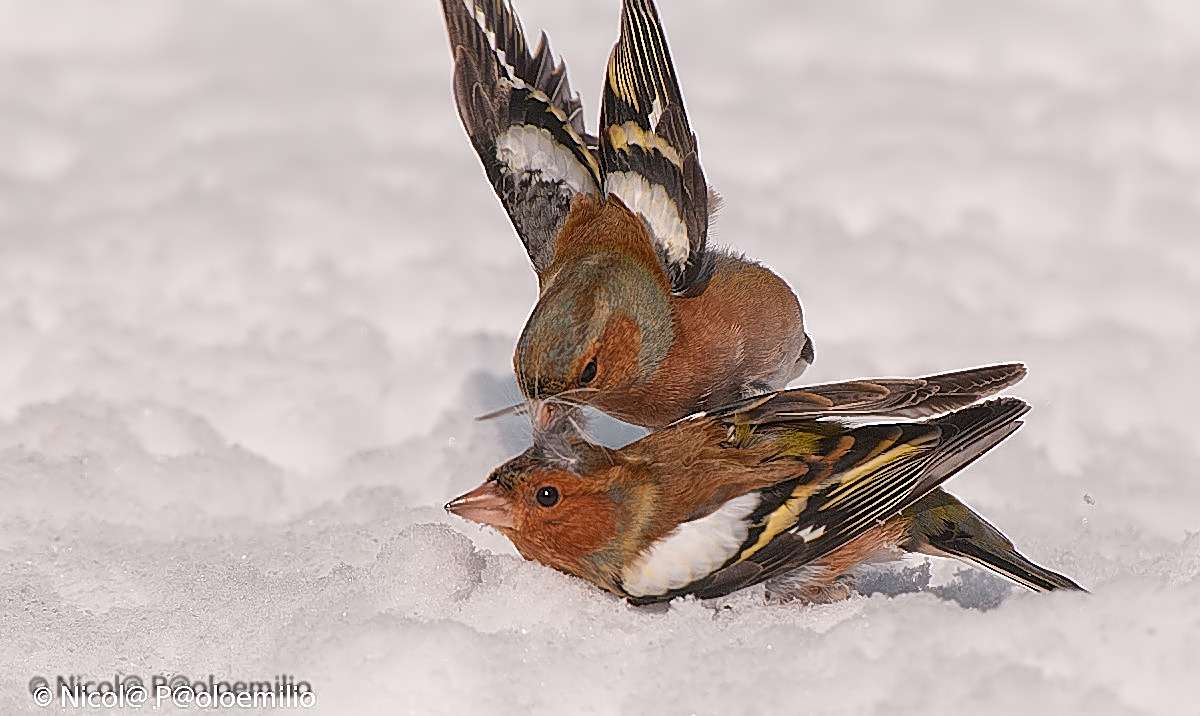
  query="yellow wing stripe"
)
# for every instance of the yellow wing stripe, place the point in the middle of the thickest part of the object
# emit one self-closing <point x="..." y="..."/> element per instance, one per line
<point x="867" y="468"/>
<point x="883" y="445"/>
<point x="619" y="79"/>
<point x="653" y="56"/>
<point x="623" y="135"/>
<point x="872" y="487"/>
<point x="782" y="519"/>
<point x="639" y="61"/>
<point x="882" y="503"/>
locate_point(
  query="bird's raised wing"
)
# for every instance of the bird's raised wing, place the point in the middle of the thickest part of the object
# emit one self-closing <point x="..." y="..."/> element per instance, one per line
<point x="523" y="120"/>
<point x="647" y="149"/>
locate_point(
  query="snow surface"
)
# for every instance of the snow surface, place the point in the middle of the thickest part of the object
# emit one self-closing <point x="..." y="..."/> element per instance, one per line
<point x="254" y="286"/>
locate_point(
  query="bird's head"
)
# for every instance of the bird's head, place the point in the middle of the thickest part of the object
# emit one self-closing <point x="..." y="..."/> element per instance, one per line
<point x="602" y="324"/>
<point x="551" y="515"/>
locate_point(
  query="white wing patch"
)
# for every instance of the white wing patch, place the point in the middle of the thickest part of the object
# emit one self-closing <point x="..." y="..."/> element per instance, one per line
<point x="810" y="533"/>
<point x="693" y="551"/>
<point x="523" y="148"/>
<point x="656" y="207"/>
<point x="655" y="114"/>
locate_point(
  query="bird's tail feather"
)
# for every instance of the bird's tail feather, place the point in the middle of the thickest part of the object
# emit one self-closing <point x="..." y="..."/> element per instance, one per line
<point x="1011" y="564"/>
<point x="942" y="525"/>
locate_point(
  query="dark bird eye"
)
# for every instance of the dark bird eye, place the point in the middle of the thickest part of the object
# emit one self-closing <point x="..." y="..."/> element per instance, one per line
<point x="589" y="372"/>
<point x="547" y="496"/>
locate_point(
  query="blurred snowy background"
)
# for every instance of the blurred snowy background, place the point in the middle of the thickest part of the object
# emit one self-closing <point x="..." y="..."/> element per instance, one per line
<point x="254" y="286"/>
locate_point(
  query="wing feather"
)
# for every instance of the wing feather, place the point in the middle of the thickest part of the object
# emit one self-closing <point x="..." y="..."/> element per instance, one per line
<point x="523" y="121"/>
<point x="879" y="397"/>
<point x="847" y="490"/>
<point x="647" y="148"/>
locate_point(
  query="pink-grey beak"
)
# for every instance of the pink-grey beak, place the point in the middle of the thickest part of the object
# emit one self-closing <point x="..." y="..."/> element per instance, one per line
<point x="485" y="505"/>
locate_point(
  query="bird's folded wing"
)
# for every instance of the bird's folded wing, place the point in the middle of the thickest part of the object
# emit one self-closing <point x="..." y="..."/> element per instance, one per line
<point x="851" y="482"/>
<point x="523" y="120"/>
<point x="647" y="149"/>
<point x="877" y="397"/>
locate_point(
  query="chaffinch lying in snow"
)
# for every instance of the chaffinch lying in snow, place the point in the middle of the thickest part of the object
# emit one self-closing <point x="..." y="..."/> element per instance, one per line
<point x="778" y="489"/>
<point x="636" y="315"/>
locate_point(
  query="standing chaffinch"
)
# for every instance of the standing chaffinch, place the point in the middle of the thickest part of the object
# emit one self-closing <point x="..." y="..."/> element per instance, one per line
<point x="767" y="491"/>
<point x="636" y="315"/>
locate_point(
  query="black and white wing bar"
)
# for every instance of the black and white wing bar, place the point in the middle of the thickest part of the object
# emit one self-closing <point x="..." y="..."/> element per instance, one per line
<point x="523" y="120"/>
<point x="647" y="150"/>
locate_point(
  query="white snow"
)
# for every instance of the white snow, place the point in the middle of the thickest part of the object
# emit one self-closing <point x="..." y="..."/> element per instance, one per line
<point x="254" y="286"/>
